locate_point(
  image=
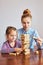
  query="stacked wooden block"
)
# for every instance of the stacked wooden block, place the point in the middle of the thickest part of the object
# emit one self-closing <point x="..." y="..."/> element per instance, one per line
<point x="25" y="43"/>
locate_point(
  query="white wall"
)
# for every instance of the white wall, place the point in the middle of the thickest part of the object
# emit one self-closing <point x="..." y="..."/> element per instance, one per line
<point x="11" y="11"/>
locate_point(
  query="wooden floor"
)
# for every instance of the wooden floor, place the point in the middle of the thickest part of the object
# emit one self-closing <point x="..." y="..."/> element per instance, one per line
<point x="32" y="59"/>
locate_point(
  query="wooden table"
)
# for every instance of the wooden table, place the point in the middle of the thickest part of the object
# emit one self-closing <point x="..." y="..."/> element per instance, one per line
<point x="32" y="59"/>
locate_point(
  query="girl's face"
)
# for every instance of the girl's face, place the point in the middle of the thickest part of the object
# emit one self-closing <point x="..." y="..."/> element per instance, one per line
<point x="26" y="22"/>
<point x="12" y="36"/>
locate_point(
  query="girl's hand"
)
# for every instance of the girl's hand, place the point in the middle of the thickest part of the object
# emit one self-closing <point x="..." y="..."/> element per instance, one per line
<point x="39" y="40"/>
<point x="18" y="49"/>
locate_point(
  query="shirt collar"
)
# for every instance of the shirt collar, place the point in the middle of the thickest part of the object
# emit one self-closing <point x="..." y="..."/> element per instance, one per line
<point x="26" y="32"/>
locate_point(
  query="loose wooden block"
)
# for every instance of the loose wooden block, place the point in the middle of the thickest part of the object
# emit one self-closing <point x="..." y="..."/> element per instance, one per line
<point x="27" y="52"/>
<point x="12" y="54"/>
<point x="37" y="52"/>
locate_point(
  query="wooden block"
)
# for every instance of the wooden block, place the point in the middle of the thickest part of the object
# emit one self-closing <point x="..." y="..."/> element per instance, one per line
<point x="25" y="37"/>
<point x="17" y="53"/>
<point x="27" y="52"/>
<point x="37" y="52"/>
<point x="12" y="54"/>
<point x="35" y="38"/>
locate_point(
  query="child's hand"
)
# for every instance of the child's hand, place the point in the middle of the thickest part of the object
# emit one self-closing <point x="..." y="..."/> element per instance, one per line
<point x="18" y="49"/>
<point x="39" y="40"/>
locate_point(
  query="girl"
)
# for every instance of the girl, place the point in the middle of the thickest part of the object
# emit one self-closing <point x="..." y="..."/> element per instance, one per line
<point x="26" y="20"/>
<point x="11" y="44"/>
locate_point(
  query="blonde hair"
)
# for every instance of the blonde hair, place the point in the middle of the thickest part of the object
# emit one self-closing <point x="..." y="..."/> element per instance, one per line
<point x="26" y="13"/>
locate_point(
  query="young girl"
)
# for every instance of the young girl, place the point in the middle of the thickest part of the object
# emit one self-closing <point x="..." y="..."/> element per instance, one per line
<point x="26" y="20"/>
<point x="11" y="44"/>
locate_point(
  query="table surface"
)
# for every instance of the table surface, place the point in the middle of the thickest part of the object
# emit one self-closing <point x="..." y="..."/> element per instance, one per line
<point x="32" y="59"/>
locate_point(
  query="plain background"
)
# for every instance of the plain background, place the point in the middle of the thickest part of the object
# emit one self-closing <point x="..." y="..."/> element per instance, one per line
<point x="11" y="11"/>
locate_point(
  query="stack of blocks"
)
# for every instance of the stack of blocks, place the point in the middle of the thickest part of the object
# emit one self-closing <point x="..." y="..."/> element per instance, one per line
<point x="25" y="43"/>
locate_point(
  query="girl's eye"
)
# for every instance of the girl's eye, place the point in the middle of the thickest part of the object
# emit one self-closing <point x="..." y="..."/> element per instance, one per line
<point x="28" y="22"/>
<point x="25" y="22"/>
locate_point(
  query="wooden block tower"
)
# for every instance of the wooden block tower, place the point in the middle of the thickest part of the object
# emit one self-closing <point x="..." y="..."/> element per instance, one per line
<point x="25" y="43"/>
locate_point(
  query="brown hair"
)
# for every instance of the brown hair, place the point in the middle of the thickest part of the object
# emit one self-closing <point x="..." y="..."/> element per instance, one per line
<point x="26" y="13"/>
<point x="9" y="29"/>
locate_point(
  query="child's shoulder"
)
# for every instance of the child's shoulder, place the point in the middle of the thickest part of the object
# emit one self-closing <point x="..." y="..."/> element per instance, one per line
<point x="20" y="29"/>
<point x="5" y="42"/>
<point x="32" y="30"/>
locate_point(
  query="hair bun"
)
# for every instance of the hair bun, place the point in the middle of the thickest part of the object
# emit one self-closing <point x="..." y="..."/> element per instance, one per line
<point x="27" y="11"/>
